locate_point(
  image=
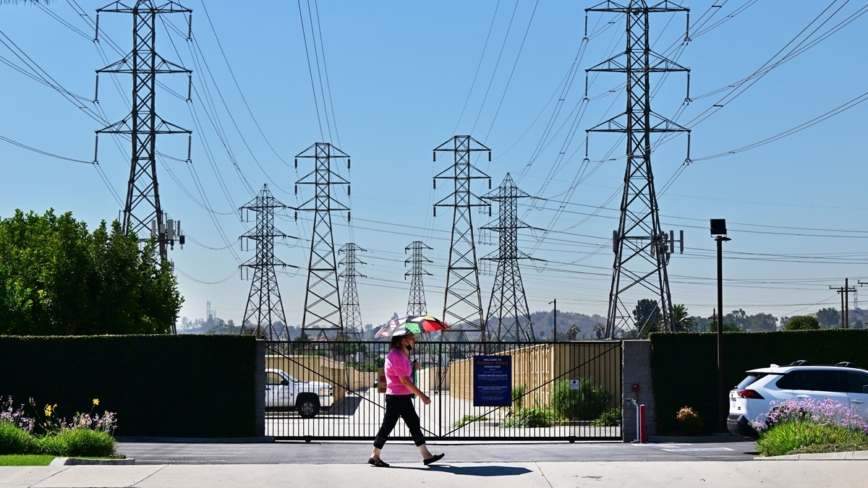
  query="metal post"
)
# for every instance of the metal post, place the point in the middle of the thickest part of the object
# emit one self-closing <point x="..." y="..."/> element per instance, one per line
<point x="721" y="398"/>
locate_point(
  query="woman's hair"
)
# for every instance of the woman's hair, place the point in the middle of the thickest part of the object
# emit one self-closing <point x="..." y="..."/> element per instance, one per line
<point x="395" y="342"/>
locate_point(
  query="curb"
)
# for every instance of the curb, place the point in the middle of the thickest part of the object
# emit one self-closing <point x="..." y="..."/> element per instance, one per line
<point x="198" y="440"/>
<point x="823" y="456"/>
<point x="67" y="461"/>
<point x="696" y="439"/>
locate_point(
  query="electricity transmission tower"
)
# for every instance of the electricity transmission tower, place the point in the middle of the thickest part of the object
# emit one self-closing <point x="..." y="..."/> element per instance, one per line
<point x="264" y="304"/>
<point x="142" y="210"/>
<point x="642" y="249"/>
<point x="508" y="303"/>
<point x="462" y="301"/>
<point x="322" y="300"/>
<point x="416" y="303"/>
<point x="353" y="326"/>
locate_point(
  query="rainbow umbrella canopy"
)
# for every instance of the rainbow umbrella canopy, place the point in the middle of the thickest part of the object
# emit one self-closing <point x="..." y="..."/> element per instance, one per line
<point x="417" y="324"/>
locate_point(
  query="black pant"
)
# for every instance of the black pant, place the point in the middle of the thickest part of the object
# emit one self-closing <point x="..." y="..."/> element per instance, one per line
<point x="399" y="406"/>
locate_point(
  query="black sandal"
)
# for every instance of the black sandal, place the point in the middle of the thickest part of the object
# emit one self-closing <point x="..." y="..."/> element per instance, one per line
<point x="378" y="463"/>
<point x="433" y="459"/>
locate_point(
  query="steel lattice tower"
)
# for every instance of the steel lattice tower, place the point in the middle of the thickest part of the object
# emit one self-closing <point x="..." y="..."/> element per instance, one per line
<point x="416" y="304"/>
<point x="264" y="304"/>
<point x="508" y="303"/>
<point x="322" y="300"/>
<point x="462" y="301"/>
<point x="641" y="247"/>
<point x="352" y="318"/>
<point x="142" y="210"/>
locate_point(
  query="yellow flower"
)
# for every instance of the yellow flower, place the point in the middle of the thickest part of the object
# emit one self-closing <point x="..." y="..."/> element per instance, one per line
<point x="49" y="410"/>
<point x="96" y="401"/>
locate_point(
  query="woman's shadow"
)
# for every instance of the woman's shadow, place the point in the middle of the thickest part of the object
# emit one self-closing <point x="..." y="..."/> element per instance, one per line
<point x="486" y="471"/>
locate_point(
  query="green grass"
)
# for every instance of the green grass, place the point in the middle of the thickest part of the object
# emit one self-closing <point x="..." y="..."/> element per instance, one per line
<point x="808" y="437"/>
<point x="26" y="460"/>
<point x="467" y="419"/>
<point x="78" y="442"/>
<point x="532" y="417"/>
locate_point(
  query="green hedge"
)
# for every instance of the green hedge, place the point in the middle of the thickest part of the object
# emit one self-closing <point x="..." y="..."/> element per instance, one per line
<point x="684" y="366"/>
<point x="165" y="386"/>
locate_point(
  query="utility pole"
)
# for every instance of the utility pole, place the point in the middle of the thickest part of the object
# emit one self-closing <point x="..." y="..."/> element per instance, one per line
<point x="462" y="300"/>
<point x="416" y="304"/>
<point x="555" y="322"/>
<point x="322" y="300"/>
<point x="353" y="327"/>
<point x="642" y="249"/>
<point x="845" y="301"/>
<point x="508" y="302"/>
<point x="142" y="209"/>
<point x="264" y="303"/>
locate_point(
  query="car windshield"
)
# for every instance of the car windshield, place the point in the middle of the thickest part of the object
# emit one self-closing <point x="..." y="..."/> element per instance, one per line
<point x="749" y="380"/>
<point x="291" y="379"/>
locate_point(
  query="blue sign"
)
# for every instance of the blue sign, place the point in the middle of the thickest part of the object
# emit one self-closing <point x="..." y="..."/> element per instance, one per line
<point x="492" y="381"/>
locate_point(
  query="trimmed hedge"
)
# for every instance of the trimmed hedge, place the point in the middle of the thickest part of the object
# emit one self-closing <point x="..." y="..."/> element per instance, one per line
<point x="684" y="366"/>
<point x="163" y="386"/>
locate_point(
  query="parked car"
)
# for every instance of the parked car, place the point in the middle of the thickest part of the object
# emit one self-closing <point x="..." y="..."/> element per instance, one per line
<point x="752" y="397"/>
<point x="284" y="391"/>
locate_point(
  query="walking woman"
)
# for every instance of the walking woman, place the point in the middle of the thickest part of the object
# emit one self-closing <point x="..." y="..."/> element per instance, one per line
<point x="399" y="398"/>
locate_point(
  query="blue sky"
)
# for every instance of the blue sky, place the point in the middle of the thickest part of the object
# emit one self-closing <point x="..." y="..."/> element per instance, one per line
<point x="399" y="80"/>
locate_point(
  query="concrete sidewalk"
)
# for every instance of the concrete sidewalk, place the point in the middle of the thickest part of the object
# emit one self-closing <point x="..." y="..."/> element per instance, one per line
<point x="505" y="475"/>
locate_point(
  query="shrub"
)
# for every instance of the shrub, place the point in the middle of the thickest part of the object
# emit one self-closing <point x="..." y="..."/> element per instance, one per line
<point x="803" y="322"/>
<point x="691" y="423"/>
<point x="531" y="417"/>
<point x="78" y="442"/>
<point x="784" y="438"/>
<point x="609" y="418"/>
<point x="15" y="440"/>
<point x="518" y="396"/>
<point x="586" y="403"/>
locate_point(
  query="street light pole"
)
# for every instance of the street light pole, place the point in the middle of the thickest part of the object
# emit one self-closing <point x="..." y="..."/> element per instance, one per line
<point x="718" y="229"/>
<point x="555" y="301"/>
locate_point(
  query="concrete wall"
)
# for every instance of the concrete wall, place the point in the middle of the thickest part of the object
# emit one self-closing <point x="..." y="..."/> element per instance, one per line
<point x="636" y="370"/>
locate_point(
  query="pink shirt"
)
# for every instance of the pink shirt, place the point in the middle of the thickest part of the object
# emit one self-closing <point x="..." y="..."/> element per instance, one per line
<point x="397" y="364"/>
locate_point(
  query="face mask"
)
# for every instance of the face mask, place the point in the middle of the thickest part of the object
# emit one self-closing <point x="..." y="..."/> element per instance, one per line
<point x="409" y="347"/>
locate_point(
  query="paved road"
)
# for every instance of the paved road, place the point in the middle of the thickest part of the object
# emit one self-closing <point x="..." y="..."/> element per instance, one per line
<point x="405" y="452"/>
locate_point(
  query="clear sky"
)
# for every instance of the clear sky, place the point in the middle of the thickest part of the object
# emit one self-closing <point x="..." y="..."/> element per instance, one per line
<point x="403" y="77"/>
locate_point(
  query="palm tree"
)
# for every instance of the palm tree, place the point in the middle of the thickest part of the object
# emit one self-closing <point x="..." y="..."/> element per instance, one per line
<point x="683" y="322"/>
<point x="573" y="332"/>
<point x="598" y="330"/>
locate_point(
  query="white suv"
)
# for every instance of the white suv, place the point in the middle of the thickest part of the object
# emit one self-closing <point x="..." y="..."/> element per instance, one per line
<point x="798" y="381"/>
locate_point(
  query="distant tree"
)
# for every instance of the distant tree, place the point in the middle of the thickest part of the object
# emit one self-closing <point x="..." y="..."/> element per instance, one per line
<point x="598" y="330"/>
<point x="737" y="317"/>
<point x="804" y="322"/>
<point x="762" y="322"/>
<point x="712" y="327"/>
<point x="683" y="322"/>
<point x="647" y="316"/>
<point x="829" y="317"/>
<point x="783" y="321"/>
<point x="573" y="332"/>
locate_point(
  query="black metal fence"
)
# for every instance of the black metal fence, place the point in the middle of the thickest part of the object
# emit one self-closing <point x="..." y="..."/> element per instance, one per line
<point x="560" y="391"/>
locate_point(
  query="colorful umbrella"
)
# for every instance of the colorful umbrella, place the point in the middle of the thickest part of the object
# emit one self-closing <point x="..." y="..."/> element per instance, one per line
<point x="416" y="324"/>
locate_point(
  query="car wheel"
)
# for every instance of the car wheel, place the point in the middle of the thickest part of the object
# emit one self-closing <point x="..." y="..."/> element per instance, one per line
<point x="308" y="406"/>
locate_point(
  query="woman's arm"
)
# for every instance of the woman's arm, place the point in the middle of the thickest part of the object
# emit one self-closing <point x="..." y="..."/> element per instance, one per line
<point x="408" y="383"/>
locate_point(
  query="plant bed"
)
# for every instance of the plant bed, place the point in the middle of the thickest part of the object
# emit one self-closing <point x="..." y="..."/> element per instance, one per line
<point x="810" y="426"/>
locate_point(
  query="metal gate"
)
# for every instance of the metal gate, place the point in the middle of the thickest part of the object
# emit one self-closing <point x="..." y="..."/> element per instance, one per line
<point x="546" y="405"/>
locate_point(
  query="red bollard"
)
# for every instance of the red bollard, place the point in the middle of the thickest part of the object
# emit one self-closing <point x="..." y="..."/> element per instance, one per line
<point x="643" y="434"/>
